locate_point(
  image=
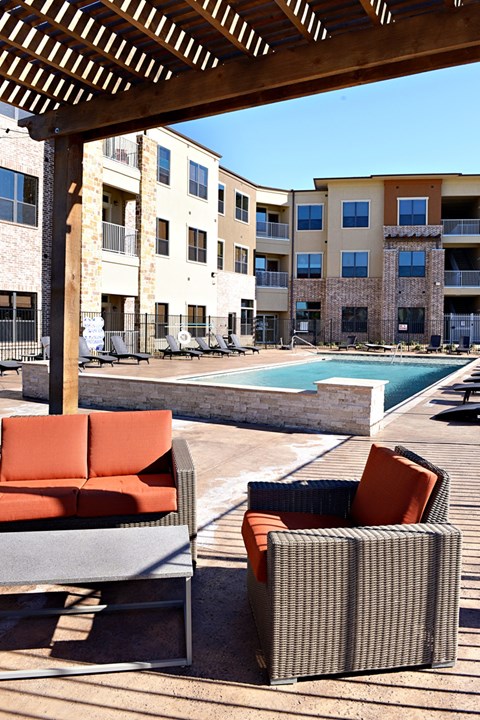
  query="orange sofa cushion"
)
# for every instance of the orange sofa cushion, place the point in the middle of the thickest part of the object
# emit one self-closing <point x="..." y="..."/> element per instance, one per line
<point x="127" y="495"/>
<point x="256" y="526"/>
<point x="129" y="443"/>
<point x="35" y="499"/>
<point x="44" y="447"/>
<point x="393" y="490"/>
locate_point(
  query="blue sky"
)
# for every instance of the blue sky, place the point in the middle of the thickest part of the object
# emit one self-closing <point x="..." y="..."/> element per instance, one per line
<point x="424" y="123"/>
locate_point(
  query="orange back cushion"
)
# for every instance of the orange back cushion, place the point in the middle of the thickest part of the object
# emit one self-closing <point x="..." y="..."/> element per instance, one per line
<point x="392" y="490"/>
<point x="129" y="443"/>
<point x="44" y="447"/>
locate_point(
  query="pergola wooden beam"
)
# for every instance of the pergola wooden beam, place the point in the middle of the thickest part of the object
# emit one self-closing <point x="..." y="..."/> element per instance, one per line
<point x="380" y="53"/>
<point x="377" y="11"/>
<point x="304" y="18"/>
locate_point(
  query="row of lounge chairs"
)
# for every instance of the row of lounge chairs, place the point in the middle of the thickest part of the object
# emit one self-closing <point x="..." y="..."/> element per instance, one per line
<point x="173" y="349"/>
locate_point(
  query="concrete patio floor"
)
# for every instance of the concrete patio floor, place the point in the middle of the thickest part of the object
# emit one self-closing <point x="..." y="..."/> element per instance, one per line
<point x="227" y="678"/>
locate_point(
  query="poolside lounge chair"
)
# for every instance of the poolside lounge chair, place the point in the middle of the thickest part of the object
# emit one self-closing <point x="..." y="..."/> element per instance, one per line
<point x="435" y="344"/>
<point x="174" y="350"/>
<point x="378" y="346"/>
<point x="101" y="358"/>
<point x="205" y="348"/>
<point x="9" y="365"/>
<point x="335" y="595"/>
<point x="237" y="345"/>
<point x="45" y="342"/>
<point x="462" y="413"/>
<point x="464" y="345"/>
<point x="121" y="352"/>
<point x="350" y="342"/>
<point x="468" y="388"/>
<point x="223" y="345"/>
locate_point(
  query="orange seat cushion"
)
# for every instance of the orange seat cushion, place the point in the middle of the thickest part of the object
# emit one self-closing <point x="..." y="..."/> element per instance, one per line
<point x="44" y="447"/>
<point x="256" y="526"/>
<point x="127" y="495"/>
<point x="393" y="490"/>
<point x="129" y="443"/>
<point x="36" y="499"/>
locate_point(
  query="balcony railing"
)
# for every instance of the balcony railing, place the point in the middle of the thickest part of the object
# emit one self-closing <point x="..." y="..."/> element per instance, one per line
<point x="119" y="239"/>
<point x="271" y="230"/>
<point x="265" y="278"/>
<point x="121" y="150"/>
<point x="462" y="278"/>
<point x="461" y="227"/>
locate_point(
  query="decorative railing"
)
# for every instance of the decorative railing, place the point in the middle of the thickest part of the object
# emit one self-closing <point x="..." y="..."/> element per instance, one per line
<point x="462" y="278"/>
<point x="266" y="278"/>
<point x="271" y="230"/>
<point x="461" y="227"/>
<point x="121" y="150"/>
<point x="119" y="239"/>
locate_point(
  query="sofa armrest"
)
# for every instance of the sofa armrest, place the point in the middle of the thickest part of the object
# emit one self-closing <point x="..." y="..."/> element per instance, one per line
<point x="351" y="588"/>
<point x="186" y="483"/>
<point x="326" y="497"/>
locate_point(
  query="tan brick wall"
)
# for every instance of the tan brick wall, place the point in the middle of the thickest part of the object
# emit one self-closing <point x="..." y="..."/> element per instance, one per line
<point x="91" y="296"/>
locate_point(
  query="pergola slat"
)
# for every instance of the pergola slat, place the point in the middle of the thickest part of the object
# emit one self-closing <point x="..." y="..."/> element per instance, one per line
<point x="304" y="18"/>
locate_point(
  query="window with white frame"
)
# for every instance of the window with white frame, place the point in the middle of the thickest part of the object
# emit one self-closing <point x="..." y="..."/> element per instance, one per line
<point x="18" y="197"/>
<point x="221" y="199"/>
<point x="246" y="317"/>
<point x="162" y="238"/>
<point x="163" y="165"/>
<point x="197" y="320"/>
<point x="354" y="264"/>
<point x="197" y="245"/>
<point x="412" y="211"/>
<point x="355" y="213"/>
<point x="310" y="217"/>
<point x="198" y="180"/>
<point x="309" y="265"/>
<point x="241" y="206"/>
<point x="241" y="260"/>
<point x="220" y="254"/>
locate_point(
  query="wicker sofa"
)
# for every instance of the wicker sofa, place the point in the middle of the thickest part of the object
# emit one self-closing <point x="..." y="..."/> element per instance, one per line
<point x="113" y="469"/>
<point x="345" y="598"/>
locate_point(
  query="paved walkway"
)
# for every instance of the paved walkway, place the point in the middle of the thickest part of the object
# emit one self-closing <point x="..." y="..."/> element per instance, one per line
<point x="227" y="679"/>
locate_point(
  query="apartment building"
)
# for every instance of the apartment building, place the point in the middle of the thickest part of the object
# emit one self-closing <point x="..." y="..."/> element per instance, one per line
<point x="171" y="240"/>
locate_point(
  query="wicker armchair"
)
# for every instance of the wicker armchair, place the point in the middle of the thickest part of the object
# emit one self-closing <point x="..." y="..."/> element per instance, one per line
<point x="350" y="599"/>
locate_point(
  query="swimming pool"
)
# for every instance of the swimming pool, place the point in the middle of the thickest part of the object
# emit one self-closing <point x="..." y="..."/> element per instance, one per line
<point x="405" y="377"/>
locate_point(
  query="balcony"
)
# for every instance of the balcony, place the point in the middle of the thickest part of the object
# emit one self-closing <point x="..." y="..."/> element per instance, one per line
<point x="122" y="150"/>
<point x="119" y="239"/>
<point x="462" y="278"/>
<point x="461" y="227"/>
<point x="272" y="230"/>
<point x="268" y="279"/>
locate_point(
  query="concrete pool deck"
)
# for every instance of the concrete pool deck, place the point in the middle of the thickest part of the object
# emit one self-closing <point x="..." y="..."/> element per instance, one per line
<point x="226" y="678"/>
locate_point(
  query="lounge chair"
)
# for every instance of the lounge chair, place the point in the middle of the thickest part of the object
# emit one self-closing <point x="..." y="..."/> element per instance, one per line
<point x="101" y="358"/>
<point x="45" y="342"/>
<point x="174" y="350"/>
<point x="223" y="345"/>
<point x="350" y="342"/>
<point x="9" y="365"/>
<point x="462" y="413"/>
<point x="378" y="346"/>
<point x="121" y="352"/>
<point x="205" y="348"/>
<point x="435" y="344"/>
<point x="467" y="388"/>
<point x="464" y="345"/>
<point x="237" y="345"/>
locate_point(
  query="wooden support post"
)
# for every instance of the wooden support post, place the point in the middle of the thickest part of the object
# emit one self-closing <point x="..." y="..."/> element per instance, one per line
<point x="66" y="256"/>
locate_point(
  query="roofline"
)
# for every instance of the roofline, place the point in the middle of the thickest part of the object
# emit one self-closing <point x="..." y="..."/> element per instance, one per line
<point x="393" y="176"/>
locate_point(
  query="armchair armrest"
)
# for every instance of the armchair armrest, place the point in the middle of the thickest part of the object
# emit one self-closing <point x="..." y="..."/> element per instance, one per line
<point x="326" y="497"/>
<point x="186" y="484"/>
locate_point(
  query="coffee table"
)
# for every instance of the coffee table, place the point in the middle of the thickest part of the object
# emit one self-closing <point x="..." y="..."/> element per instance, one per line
<point x="69" y="557"/>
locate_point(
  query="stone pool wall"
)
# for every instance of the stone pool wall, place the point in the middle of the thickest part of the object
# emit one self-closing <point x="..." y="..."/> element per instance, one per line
<point x="350" y="407"/>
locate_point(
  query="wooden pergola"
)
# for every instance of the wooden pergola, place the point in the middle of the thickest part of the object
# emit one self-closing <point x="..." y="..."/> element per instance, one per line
<point x="91" y="69"/>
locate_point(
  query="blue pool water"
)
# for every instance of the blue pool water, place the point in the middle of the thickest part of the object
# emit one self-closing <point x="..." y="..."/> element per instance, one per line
<point x="405" y="377"/>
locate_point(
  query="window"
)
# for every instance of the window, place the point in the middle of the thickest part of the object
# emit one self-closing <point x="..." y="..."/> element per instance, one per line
<point x="220" y="255"/>
<point x="412" y="211"/>
<point x="163" y="232"/>
<point x="260" y="263"/>
<point x="198" y="181"/>
<point x="18" y="197"/>
<point x="197" y="245"/>
<point x="354" y="319"/>
<point x="354" y="264"/>
<point x="241" y="207"/>
<point x="221" y="199"/>
<point x="161" y="320"/>
<point x="310" y="217"/>
<point x="241" y="260"/>
<point x="163" y="165"/>
<point x="411" y="320"/>
<point x="197" y="320"/>
<point x="306" y="313"/>
<point x="246" y="317"/>
<point x="309" y="265"/>
<point x="355" y="214"/>
<point x="18" y="316"/>
<point x="411" y="263"/>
